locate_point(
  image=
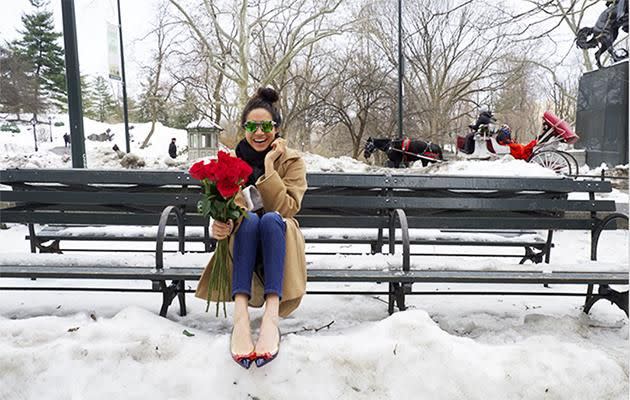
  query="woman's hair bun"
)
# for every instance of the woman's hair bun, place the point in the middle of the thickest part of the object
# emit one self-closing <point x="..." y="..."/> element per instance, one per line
<point x="267" y="94"/>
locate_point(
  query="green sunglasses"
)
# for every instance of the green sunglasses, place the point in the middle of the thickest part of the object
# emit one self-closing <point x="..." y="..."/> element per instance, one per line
<point x="265" y="126"/>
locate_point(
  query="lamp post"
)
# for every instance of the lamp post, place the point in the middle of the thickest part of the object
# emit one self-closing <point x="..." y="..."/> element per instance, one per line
<point x="50" y="127"/>
<point x="400" y="72"/>
<point x="124" y="80"/>
<point x="73" y="79"/>
<point x="34" y="123"/>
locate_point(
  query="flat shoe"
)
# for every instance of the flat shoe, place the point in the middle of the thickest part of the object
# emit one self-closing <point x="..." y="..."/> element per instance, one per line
<point x="265" y="358"/>
<point x="244" y="360"/>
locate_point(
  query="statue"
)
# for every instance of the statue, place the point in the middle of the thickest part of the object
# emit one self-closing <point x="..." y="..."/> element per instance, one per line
<point x="605" y="31"/>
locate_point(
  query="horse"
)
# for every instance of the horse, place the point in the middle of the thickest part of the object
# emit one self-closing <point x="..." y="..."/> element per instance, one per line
<point x="401" y="152"/>
<point x="605" y="31"/>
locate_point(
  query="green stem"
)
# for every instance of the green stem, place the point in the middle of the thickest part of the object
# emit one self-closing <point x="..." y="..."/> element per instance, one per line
<point x="219" y="280"/>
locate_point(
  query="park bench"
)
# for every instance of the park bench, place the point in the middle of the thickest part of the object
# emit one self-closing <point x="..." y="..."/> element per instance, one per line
<point x="48" y="238"/>
<point x="164" y="187"/>
<point x="381" y="203"/>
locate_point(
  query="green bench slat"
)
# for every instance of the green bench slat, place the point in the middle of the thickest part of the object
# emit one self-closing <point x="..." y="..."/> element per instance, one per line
<point x="450" y="242"/>
<point x="345" y="275"/>
<point x="98" y="272"/>
<point x="101" y="197"/>
<point x="93" y="176"/>
<point x="313" y="201"/>
<point x="98" y="218"/>
<point x="507" y="222"/>
<point x="459" y="203"/>
<point x="167" y="238"/>
<point x="433" y="182"/>
<point x="426" y="182"/>
<point x="326" y="275"/>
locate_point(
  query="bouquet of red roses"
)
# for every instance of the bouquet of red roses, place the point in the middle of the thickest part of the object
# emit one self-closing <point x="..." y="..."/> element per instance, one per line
<point x="222" y="178"/>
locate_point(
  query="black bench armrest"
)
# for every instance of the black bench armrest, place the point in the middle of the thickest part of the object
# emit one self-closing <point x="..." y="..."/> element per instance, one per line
<point x="159" y="241"/>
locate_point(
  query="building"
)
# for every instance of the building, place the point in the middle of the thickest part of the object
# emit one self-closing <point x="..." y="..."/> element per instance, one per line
<point x="203" y="138"/>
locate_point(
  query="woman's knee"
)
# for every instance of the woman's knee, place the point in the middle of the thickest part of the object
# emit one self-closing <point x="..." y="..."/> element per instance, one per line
<point x="271" y="221"/>
<point x="249" y="225"/>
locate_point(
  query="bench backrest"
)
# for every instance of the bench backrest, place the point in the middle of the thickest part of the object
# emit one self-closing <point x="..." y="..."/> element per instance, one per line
<point x="454" y="202"/>
<point x="112" y="197"/>
<point x="129" y="197"/>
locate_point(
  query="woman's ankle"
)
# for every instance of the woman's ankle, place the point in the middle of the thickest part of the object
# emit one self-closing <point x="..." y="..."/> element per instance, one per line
<point x="241" y="309"/>
<point x="272" y="308"/>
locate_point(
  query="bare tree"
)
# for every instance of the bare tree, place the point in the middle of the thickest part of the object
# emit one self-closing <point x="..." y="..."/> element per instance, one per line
<point x="453" y="52"/>
<point x="543" y="18"/>
<point x="156" y="96"/>
<point x="358" y="97"/>
<point x="516" y="104"/>
<point x="234" y="29"/>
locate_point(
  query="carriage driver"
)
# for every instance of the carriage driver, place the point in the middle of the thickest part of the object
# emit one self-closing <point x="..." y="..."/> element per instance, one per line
<point x="485" y="117"/>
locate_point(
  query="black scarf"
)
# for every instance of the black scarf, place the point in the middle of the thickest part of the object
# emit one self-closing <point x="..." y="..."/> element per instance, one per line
<point x="255" y="159"/>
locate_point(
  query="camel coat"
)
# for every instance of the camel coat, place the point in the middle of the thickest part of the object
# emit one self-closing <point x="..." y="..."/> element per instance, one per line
<point x="282" y="191"/>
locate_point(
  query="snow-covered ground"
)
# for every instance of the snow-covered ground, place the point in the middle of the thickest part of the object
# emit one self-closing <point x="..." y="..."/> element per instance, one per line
<point x="18" y="149"/>
<point x="90" y="345"/>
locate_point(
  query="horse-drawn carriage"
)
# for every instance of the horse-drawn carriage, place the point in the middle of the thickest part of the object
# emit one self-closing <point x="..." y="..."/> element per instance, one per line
<point x="544" y="150"/>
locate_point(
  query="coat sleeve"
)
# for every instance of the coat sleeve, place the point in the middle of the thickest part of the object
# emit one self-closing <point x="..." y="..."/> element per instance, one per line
<point x="284" y="194"/>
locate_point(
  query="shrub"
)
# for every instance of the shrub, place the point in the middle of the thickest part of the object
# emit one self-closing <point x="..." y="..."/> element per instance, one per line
<point x="9" y="127"/>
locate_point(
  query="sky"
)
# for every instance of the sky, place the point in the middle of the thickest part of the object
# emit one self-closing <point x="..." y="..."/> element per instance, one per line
<point x="92" y="17"/>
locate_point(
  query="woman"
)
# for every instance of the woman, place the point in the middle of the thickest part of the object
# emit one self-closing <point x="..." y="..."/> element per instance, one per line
<point x="271" y="236"/>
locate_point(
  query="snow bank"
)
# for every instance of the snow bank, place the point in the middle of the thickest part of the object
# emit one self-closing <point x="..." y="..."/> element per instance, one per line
<point x="138" y="355"/>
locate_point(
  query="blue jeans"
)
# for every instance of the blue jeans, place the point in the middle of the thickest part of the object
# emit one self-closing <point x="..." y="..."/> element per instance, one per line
<point x="259" y="237"/>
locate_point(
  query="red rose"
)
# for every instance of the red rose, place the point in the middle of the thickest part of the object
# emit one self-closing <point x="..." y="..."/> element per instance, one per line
<point x="197" y="171"/>
<point x="227" y="188"/>
<point x="210" y="169"/>
<point x="244" y="170"/>
<point x="222" y="166"/>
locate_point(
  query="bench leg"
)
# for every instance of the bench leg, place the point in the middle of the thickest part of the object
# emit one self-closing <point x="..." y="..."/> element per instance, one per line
<point x="374" y="248"/>
<point x="533" y="256"/>
<point x="400" y="296"/>
<point x="605" y="292"/>
<point x="168" y="294"/>
<point x="36" y="243"/>
<point x="377" y="248"/>
<point x="396" y="297"/>
<point x="548" y="246"/>
<point x="390" y="299"/>
<point x="181" y="296"/>
<point x="51" y="248"/>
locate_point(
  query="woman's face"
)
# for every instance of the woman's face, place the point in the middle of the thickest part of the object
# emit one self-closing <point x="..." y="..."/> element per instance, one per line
<point x="258" y="139"/>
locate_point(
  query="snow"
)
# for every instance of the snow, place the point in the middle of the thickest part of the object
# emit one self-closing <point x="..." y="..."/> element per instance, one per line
<point x="100" y="345"/>
<point x="204" y="123"/>
<point x="135" y="354"/>
<point x="18" y="148"/>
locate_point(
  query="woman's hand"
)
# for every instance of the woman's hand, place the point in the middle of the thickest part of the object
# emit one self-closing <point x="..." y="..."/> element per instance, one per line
<point x="221" y="230"/>
<point x="278" y="148"/>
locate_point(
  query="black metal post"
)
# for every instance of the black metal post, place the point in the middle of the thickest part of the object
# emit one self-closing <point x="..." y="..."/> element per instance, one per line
<point x="73" y="81"/>
<point x="124" y="80"/>
<point x="50" y="128"/>
<point x="34" y="124"/>
<point x="400" y="72"/>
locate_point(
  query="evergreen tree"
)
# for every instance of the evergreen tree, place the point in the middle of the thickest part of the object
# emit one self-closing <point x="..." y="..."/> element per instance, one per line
<point x="105" y="107"/>
<point x="45" y="57"/>
<point x="152" y="103"/>
<point x="185" y="110"/>
<point x="87" y="97"/>
<point x="133" y="108"/>
<point x="17" y="89"/>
